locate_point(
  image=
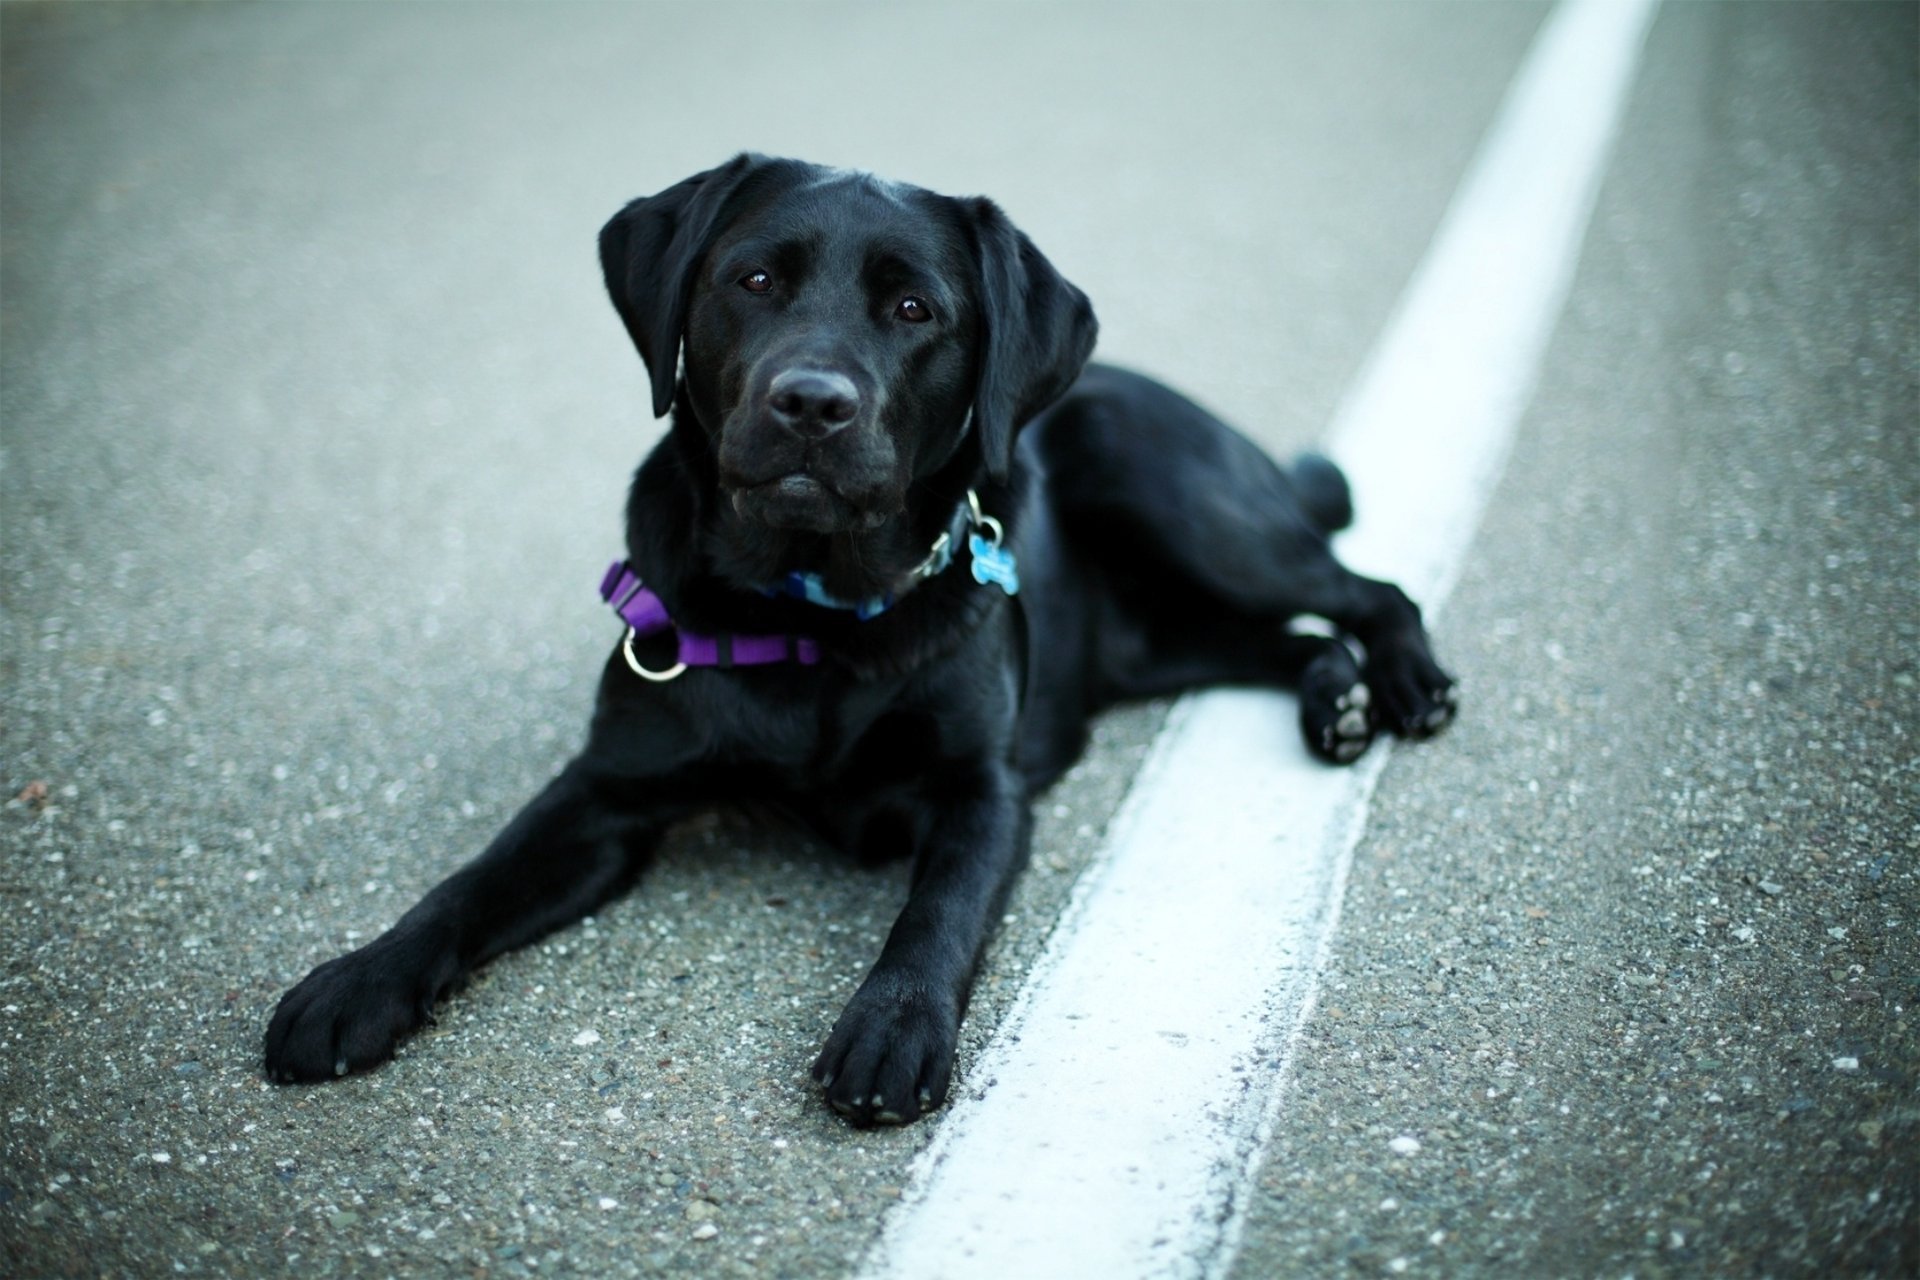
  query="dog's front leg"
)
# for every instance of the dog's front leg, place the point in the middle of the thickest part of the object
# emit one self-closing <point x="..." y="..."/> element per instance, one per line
<point x="579" y="842"/>
<point x="889" y="1058"/>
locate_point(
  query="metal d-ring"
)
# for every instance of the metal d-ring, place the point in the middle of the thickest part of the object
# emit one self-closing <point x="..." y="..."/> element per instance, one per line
<point x="981" y="520"/>
<point x="658" y="677"/>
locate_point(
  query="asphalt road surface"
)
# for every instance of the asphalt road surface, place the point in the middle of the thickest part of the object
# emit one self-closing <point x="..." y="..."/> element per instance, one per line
<point x="314" y="433"/>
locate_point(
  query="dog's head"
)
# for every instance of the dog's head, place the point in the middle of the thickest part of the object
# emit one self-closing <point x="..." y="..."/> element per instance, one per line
<point x="844" y="337"/>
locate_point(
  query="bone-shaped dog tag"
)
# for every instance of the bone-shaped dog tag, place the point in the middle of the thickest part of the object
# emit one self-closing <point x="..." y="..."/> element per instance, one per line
<point x="993" y="563"/>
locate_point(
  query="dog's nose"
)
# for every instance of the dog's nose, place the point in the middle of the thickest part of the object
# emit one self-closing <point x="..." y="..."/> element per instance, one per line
<point x="813" y="402"/>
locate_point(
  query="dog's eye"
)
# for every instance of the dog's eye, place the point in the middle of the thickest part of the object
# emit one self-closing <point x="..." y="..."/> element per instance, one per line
<point x="913" y="311"/>
<point x="756" y="282"/>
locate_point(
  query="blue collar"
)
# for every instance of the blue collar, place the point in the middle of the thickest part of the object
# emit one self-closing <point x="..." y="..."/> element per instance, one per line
<point x="991" y="563"/>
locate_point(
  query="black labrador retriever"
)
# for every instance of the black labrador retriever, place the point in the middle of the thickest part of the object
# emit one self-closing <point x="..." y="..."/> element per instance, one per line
<point x="900" y="543"/>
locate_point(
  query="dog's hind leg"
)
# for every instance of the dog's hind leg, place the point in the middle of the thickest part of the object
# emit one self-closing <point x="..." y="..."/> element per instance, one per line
<point x="1191" y="648"/>
<point x="1409" y="692"/>
<point x="1171" y="502"/>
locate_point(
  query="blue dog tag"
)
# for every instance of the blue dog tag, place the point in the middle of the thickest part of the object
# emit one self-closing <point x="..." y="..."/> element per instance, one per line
<point x="993" y="563"/>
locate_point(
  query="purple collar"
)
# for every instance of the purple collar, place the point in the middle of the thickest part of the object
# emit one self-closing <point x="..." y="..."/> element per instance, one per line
<point x="644" y="615"/>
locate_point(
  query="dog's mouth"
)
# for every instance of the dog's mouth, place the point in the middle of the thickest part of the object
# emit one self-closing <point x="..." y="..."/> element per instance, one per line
<point x="803" y="503"/>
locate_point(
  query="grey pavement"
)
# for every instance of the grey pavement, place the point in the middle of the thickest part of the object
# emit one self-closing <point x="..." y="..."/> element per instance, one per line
<point x="314" y="432"/>
<point x="1636" y="957"/>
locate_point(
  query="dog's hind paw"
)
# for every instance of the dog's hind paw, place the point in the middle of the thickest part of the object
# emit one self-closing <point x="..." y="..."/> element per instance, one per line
<point x="1413" y="697"/>
<point x="1343" y="733"/>
<point x="1334" y="708"/>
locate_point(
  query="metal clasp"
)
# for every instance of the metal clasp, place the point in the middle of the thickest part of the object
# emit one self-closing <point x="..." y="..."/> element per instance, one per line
<point x="658" y="677"/>
<point x="981" y="520"/>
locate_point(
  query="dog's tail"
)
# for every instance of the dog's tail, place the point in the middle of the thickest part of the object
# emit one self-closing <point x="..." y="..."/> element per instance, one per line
<point x="1323" y="492"/>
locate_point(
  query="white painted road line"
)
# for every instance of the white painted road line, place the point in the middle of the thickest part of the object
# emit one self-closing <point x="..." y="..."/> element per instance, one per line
<point x="1113" y="1126"/>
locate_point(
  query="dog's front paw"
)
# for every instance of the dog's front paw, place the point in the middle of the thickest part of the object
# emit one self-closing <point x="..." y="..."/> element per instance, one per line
<point x="890" y="1056"/>
<point x="1412" y="696"/>
<point x="350" y="1013"/>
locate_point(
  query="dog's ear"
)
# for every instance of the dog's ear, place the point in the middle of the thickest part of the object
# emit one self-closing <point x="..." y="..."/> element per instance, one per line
<point x="1037" y="331"/>
<point x="648" y="252"/>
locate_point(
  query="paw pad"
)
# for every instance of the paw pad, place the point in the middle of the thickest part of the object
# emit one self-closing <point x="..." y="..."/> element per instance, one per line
<point x="1345" y="736"/>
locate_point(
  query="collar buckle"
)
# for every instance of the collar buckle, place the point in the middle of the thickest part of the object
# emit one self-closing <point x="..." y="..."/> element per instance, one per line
<point x="658" y="677"/>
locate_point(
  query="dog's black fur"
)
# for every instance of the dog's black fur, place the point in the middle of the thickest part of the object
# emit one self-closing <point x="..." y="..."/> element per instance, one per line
<point x="858" y="355"/>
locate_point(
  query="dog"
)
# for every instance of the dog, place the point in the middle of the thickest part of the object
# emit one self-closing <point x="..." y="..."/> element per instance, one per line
<point x="899" y="544"/>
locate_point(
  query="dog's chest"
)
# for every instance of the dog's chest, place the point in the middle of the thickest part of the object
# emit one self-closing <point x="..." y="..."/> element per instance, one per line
<point x="807" y="734"/>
